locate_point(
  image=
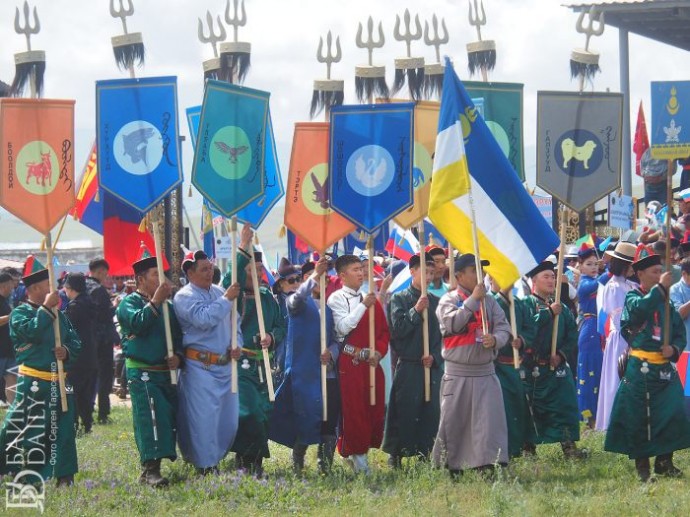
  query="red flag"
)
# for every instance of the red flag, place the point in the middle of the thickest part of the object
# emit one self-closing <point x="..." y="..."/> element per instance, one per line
<point x="641" y="143"/>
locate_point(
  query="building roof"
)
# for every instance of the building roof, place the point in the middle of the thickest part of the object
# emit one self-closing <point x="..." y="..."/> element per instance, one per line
<point x="666" y="21"/>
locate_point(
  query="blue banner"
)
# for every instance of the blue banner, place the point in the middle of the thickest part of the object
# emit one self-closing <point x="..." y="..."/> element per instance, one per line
<point x="371" y="161"/>
<point x="298" y="251"/>
<point x="358" y="239"/>
<point x="430" y="230"/>
<point x="257" y="210"/>
<point x="228" y="167"/>
<point x="138" y="139"/>
<point x="670" y="120"/>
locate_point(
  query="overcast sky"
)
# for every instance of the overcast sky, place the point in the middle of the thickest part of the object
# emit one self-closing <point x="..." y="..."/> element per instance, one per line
<point x="534" y="39"/>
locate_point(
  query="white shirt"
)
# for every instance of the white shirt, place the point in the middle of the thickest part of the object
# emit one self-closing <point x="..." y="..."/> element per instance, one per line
<point x="348" y="309"/>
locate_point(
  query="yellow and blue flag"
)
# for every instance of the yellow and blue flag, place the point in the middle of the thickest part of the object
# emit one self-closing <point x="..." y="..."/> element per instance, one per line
<point x="469" y="163"/>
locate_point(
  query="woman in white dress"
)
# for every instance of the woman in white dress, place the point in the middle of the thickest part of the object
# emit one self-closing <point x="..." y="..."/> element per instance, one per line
<point x="612" y="302"/>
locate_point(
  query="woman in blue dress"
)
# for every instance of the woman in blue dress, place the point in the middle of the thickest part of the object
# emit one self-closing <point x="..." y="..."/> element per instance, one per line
<point x="590" y="354"/>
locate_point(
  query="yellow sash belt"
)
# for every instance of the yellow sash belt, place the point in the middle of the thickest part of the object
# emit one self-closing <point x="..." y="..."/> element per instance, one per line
<point x="38" y="374"/>
<point x="650" y="357"/>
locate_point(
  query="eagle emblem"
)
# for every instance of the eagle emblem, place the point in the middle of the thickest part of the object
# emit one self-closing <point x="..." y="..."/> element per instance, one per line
<point x="232" y="152"/>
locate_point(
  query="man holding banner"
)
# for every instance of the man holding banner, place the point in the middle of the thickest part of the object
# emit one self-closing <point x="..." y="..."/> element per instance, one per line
<point x="208" y="410"/>
<point x="251" y="442"/>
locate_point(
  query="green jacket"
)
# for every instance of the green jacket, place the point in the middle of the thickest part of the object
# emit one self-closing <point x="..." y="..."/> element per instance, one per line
<point x="143" y="330"/>
<point x="31" y="330"/>
<point x="274" y="322"/>
<point x="644" y="311"/>
<point x="525" y="324"/>
<point x="566" y="341"/>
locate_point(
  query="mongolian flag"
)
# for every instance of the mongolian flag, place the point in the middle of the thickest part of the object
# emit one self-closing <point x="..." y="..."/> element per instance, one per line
<point x="512" y="234"/>
<point x="36" y="160"/>
<point x="371" y="162"/>
<point x="138" y="139"/>
<point x="500" y="105"/>
<point x="308" y="211"/>
<point x="88" y="209"/>
<point x="425" y="130"/>
<point x="229" y="157"/>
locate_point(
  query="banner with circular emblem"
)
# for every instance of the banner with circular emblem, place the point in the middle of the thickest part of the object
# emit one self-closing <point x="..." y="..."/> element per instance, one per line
<point x="138" y="143"/>
<point x="37" y="160"/>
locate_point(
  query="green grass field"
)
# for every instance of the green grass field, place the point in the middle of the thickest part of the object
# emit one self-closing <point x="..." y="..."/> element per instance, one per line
<point x="605" y="484"/>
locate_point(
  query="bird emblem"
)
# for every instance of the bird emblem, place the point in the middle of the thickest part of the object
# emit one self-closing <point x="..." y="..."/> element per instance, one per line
<point x="369" y="173"/>
<point x="320" y="192"/>
<point x="232" y="152"/>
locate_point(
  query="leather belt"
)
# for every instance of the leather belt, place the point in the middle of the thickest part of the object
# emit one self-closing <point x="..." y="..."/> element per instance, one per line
<point x="207" y="358"/>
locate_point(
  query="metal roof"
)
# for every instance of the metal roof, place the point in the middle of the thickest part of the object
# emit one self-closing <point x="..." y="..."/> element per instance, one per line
<point x="666" y="21"/>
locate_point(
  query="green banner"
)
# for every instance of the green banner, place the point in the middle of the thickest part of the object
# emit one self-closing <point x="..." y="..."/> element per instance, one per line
<point x="500" y="104"/>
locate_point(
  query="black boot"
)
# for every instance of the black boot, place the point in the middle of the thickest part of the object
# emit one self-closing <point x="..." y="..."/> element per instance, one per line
<point x="257" y="467"/>
<point x="571" y="452"/>
<point x="298" y="453"/>
<point x="65" y="481"/>
<point x="395" y="462"/>
<point x="663" y="466"/>
<point x="151" y="474"/>
<point x="643" y="469"/>
<point x="325" y="453"/>
<point x="529" y="449"/>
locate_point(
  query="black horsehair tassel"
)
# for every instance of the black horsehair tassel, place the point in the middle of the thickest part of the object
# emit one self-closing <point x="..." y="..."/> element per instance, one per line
<point x="481" y="59"/>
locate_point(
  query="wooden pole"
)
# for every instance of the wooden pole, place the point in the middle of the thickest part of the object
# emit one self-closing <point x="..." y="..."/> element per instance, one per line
<point x="161" y="281"/>
<point x="372" y="321"/>
<point x="513" y="328"/>
<point x="59" y="233"/>
<point x="262" y="329"/>
<point x="234" y="323"/>
<point x="56" y="324"/>
<point x="477" y="260"/>
<point x="425" y="312"/>
<point x="667" y="258"/>
<point x="559" y="279"/>
<point x="324" y="370"/>
<point x="451" y="267"/>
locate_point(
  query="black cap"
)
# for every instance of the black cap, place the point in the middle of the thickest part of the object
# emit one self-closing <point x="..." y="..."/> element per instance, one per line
<point x="308" y="267"/>
<point x="5" y="277"/>
<point x="546" y="265"/>
<point x="142" y="266"/>
<point x="415" y="260"/>
<point x="466" y="260"/>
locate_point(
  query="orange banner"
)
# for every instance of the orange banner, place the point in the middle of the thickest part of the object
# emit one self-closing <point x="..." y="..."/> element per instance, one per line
<point x="36" y="160"/>
<point x="307" y="206"/>
<point x="425" y="131"/>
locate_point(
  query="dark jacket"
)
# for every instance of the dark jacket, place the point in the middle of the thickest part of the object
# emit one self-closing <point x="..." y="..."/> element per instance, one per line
<point x="104" y="326"/>
<point x="82" y="314"/>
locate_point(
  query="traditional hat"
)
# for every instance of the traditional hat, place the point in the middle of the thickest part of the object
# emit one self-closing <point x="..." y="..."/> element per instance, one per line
<point x="145" y="262"/>
<point x="466" y="260"/>
<point x="645" y="258"/>
<point x="191" y="258"/>
<point x="546" y="265"/>
<point x="585" y="252"/>
<point x="433" y="249"/>
<point x="286" y="269"/>
<point x="572" y="252"/>
<point x="34" y="271"/>
<point x="624" y="251"/>
<point x="415" y="260"/>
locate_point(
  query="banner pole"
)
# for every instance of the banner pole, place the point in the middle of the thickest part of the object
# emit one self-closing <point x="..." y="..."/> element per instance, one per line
<point x="56" y="324"/>
<point x="667" y="258"/>
<point x="425" y="312"/>
<point x="559" y="279"/>
<point x="477" y="260"/>
<point x="161" y="281"/>
<point x="322" y="322"/>
<point x="233" y="323"/>
<point x="513" y="328"/>
<point x="372" y="321"/>
<point x="262" y="329"/>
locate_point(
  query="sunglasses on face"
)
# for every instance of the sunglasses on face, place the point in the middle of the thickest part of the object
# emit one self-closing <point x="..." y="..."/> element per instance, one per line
<point x="292" y="280"/>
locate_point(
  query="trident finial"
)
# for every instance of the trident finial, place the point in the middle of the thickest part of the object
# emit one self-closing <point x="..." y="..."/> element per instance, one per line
<point x="408" y="37"/>
<point x="212" y="37"/>
<point x="27" y="30"/>
<point x="122" y="12"/>
<point x="238" y="19"/>
<point x="595" y="18"/>
<point x="329" y="58"/>
<point x="370" y="44"/>
<point x="438" y="39"/>
<point x="477" y="19"/>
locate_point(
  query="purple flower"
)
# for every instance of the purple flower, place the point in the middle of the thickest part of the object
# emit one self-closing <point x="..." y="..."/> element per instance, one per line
<point x="89" y="484"/>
